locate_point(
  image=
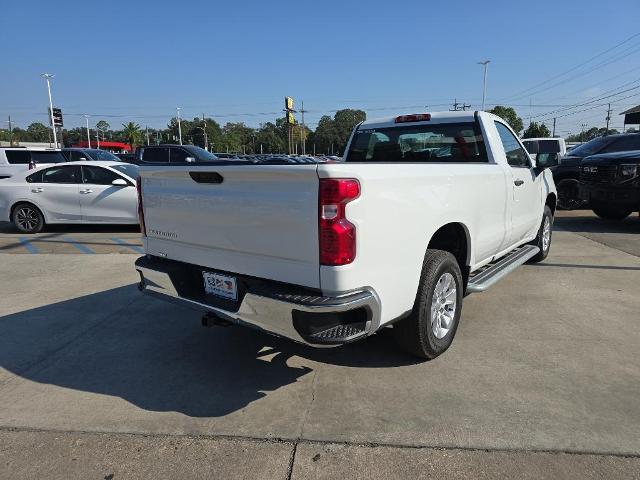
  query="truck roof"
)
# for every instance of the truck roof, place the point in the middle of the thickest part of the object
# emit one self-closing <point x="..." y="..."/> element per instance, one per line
<point x="436" y="117"/>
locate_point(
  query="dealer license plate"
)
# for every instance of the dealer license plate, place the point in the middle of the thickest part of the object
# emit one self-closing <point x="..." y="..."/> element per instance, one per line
<point x="220" y="285"/>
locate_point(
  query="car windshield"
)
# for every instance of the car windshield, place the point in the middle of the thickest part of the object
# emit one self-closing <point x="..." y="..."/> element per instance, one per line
<point x="200" y="153"/>
<point x="444" y="142"/>
<point x="591" y="147"/>
<point x="128" y="169"/>
<point x="102" y="155"/>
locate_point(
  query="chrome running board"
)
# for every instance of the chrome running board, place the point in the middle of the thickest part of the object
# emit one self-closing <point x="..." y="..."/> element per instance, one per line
<point x="493" y="272"/>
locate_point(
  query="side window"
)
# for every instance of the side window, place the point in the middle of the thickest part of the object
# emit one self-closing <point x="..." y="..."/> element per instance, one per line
<point x="98" y="175"/>
<point x="76" y="156"/>
<point x="624" y="144"/>
<point x="47" y="157"/>
<point x="516" y="155"/>
<point x="18" y="157"/>
<point x="66" y="174"/>
<point x="155" y="155"/>
<point x="178" y="155"/>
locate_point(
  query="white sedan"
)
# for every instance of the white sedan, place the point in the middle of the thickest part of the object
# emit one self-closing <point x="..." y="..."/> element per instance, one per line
<point x="78" y="192"/>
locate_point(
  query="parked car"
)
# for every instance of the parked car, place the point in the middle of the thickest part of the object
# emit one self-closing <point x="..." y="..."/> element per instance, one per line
<point x="423" y="209"/>
<point x="14" y="160"/>
<point x="78" y="192"/>
<point x="610" y="184"/>
<point x="173" y="153"/>
<point x="567" y="173"/>
<point x="86" y="154"/>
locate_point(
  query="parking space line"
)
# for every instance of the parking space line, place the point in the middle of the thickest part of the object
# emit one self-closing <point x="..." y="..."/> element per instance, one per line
<point x="31" y="248"/>
<point x="135" y="248"/>
<point x="79" y="246"/>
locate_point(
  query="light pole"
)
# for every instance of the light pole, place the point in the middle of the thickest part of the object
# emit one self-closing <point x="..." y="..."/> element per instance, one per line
<point x="48" y="77"/>
<point x="86" y="117"/>
<point x="179" y="126"/>
<point x="484" y="63"/>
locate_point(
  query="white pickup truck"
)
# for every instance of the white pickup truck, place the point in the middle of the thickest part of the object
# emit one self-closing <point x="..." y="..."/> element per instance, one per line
<point x="422" y="209"/>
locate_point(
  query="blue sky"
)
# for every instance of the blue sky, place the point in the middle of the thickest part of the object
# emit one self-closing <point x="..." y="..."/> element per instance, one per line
<point x="139" y="60"/>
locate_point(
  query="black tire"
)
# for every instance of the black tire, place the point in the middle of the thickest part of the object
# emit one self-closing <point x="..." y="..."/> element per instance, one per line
<point x="415" y="333"/>
<point x="568" y="199"/>
<point x="27" y="218"/>
<point x="539" y="241"/>
<point x="611" y="212"/>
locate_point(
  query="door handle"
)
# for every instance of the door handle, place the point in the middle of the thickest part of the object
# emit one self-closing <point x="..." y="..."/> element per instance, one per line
<point x="518" y="182"/>
<point x="36" y="190"/>
<point x="86" y="191"/>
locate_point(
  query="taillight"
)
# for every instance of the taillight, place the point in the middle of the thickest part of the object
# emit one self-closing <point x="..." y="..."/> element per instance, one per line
<point x="336" y="234"/>
<point x="143" y="229"/>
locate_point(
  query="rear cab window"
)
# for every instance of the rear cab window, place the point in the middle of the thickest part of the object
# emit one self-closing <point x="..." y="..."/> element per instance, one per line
<point x="47" y="157"/>
<point x="18" y="157"/>
<point x="421" y="143"/>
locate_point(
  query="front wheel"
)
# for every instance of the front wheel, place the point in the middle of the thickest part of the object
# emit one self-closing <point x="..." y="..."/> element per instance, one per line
<point x="543" y="239"/>
<point x="429" y="330"/>
<point x="568" y="190"/>
<point x="27" y="218"/>
<point x="611" y="212"/>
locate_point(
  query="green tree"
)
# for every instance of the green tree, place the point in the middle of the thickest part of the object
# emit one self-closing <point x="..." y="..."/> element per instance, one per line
<point x="37" y="132"/>
<point x="509" y="115"/>
<point x="102" y="126"/>
<point x="593" y="132"/>
<point x="536" y="130"/>
<point x="325" y="137"/>
<point x="131" y="133"/>
<point x="271" y="138"/>
<point x="344" y="121"/>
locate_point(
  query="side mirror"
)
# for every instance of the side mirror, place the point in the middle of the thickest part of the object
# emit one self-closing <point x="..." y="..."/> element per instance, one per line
<point x="190" y="159"/>
<point x="119" y="182"/>
<point x="546" y="160"/>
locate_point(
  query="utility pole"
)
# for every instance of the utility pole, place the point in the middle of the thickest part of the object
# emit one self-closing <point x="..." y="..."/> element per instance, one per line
<point x="608" y="119"/>
<point x="98" y="137"/>
<point x="48" y="77"/>
<point x="459" y="106"/>
<point x="303" y="131"/>
<point x="146" y="127"/>
<point x="179" y="125"/>
<point x="554" y="127"/>
<point x="484" y="63"/>
<point x="204" y="130"/>
<point x="582" y="125"/>
<point x="86" y="117"/>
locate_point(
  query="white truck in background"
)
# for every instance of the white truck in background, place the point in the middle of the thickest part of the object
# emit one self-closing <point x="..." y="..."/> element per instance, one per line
<point x="422" y="209"/>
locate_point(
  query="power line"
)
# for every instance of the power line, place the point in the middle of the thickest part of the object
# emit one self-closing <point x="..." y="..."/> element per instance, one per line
<point x="516" y="95"/>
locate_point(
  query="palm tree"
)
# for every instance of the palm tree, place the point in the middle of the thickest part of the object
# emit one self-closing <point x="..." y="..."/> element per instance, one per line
<point x="131" y="133"/>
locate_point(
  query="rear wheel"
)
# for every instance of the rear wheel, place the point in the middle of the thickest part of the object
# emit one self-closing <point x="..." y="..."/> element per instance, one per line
<point x="429" y="330"/>
<point x="27" y="218"/>
<point x="568" y="198"/>
<point x="611" y="212"/>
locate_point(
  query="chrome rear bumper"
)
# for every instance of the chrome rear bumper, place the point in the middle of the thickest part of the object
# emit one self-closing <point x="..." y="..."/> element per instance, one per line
<point x="278" y="312"/>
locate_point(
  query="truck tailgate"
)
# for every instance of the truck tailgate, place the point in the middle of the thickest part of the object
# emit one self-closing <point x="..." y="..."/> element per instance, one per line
<point x="259" y="220"/>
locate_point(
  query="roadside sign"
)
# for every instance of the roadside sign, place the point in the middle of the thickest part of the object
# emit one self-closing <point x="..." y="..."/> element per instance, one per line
<point x="288" y="103"/>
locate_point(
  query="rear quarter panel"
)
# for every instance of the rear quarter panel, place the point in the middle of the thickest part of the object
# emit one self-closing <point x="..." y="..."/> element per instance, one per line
<point x="398" y="211"/>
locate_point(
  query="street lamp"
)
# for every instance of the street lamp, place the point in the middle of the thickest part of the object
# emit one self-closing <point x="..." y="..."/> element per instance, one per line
<point x="179" y="126"/>
<point x="86" y="117"/>
<point x="48" y="77"/>
<point x="484" y="63"/>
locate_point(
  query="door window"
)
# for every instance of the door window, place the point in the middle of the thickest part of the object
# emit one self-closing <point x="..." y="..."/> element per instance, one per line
<point x="178" y="155"/>
<point x="155" y="155"/>
<point x="516" y="154"/>
<point x="98" y="175"/>
<point x="47" y="157"/>
<point x="18" y="157"/>
<point x="66" y="174"/>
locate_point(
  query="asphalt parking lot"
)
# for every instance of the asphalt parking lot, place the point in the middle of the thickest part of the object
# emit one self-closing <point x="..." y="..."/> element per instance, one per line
<point x="97" y="381"/>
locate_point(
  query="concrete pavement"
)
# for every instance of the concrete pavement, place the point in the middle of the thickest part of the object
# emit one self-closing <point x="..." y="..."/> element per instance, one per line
<point x="545" y="361"/>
